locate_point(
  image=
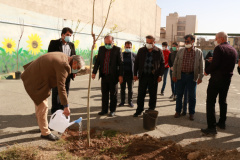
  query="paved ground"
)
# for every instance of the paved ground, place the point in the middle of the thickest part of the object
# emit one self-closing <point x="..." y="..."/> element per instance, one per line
<point x="18" y="123"/>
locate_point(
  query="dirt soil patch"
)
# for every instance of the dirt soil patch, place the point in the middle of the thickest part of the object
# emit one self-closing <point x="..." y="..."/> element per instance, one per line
<point x="109" y="144"/>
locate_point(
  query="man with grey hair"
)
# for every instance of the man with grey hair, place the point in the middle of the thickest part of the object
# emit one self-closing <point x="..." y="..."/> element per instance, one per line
<point x="221" y="71"/>
<point x="41" y="75"/>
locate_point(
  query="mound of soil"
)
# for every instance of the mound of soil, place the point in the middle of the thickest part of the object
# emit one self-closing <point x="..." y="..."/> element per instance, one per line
<point x="108" y="144"/>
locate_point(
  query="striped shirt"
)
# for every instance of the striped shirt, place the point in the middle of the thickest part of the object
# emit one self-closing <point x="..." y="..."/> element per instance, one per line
<point x="106" y="62"/>
<point x="188" y="60"/>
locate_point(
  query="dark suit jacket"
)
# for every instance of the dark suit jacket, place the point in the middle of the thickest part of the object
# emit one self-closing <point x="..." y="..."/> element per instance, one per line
<point x="158" y="62"/>
<point x="115" y="64"/>
<point x="56" y="46"/>
<point x="133" y="55"/>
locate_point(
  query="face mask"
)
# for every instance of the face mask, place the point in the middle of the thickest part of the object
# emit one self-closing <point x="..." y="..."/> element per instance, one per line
<point x="108" y="46"/>
<point x="67" y="38"/>
<point x="128" y="50"/>
<point x="75" y="71"/>
<point x="149" y="46"/>
<point x="163" y="48"/>
<point x="188" y="45"/>
<point x="216" y="43"/>
<point x="174" y="48"/>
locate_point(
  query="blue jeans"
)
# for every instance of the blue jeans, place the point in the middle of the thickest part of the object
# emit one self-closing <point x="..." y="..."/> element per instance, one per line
<point x="164" y="79"/>
<point x="173" y="84"/>
<point x="186" y="81"/>
<point x="185" y="100"/>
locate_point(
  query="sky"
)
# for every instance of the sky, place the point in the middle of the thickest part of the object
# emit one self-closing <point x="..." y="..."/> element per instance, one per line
<point x="213" y="15"/>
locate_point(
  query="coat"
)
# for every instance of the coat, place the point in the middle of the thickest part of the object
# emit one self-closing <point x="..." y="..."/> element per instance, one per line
<point x="46" y="72"/>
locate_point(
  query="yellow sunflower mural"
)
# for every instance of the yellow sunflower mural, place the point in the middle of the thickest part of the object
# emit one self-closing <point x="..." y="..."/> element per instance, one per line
<point x="34" y="44"/>
<point x="76" y="43"/>
<point x="123" y="48"/>
<point x="133" y="49"/>
<point x="95" y="47"/>
<point x="102" y="44"/>
<point x="9" y="45"/>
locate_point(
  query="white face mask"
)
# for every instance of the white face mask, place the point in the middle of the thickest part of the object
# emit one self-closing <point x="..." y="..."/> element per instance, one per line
<point x="188" y="45"/>
<point x="163" y="48"/>
<point x="149" y="46"/>
<point x="216" y="43"/>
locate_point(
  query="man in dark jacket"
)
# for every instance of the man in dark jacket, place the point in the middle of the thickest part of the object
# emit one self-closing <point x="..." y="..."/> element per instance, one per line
<point x="62" y="45"/>
<point x="128" y="71"/>
<point x="148" y="68"/>
<point x="171" y="59"/>
<point x="110" y="64"/>
<point x="221" y="70"/>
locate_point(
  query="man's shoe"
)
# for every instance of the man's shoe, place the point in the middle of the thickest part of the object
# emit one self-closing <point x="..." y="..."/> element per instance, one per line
<point x="191" y="117"/>
<point x="221" y="125"/>
<point x="171" y="96"/>
<point x="112" y="114"/>
<point x="183" y="114"/>
<point x="131" y="104"/>
<point x="101" y="113"/>
<point x="162" y="94"/>
<point x="209" y="131"/>
<point x="121" y="104"/>
<point x="137" y="114"/>
<point x="177" y="115"/>
<point x="50" y="137"/>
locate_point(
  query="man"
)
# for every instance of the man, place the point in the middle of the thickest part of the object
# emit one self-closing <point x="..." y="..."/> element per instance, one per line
<point x="171" y="59"/>
<point x="187" y="72"/>
<point x="166" y="53"/>
<point x="40" y="76"/>
<point x="148" y="68"/>
<point x="62" y="45"/>
<point x="221" y="70"/>
<point x="110" y="64"/>
<point x="128" y="71"/>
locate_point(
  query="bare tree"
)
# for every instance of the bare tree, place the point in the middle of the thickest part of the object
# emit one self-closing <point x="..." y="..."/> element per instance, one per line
<point x="21" y="23"/>
<point x="90" y="75"/>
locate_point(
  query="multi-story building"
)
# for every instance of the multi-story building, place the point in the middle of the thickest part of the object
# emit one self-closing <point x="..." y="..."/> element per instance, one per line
<point x="177" y="27"/>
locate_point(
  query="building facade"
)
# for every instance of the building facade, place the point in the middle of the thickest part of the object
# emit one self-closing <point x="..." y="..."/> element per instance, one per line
<point x="43" y="21"/>
<point x="177" y="27"/>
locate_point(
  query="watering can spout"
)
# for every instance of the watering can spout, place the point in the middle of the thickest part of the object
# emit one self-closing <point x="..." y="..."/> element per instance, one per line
<point x="76" y="121"/>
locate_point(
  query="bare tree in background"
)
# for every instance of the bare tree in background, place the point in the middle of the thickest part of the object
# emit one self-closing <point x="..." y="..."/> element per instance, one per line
<point x="90" y="75"/>
<point x="21" y="23"/>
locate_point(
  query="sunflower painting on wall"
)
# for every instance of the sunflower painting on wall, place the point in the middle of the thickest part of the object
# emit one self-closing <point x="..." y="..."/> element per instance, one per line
<point x="34" y="43"/>
<point x="9" y="45"/>
<point x="76" y="43"/>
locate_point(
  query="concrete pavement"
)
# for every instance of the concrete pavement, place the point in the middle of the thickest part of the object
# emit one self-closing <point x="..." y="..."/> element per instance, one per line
<point x="18" y="123"/>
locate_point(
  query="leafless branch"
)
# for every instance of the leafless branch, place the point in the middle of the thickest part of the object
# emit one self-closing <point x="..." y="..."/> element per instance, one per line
<point x="21" y="22"/>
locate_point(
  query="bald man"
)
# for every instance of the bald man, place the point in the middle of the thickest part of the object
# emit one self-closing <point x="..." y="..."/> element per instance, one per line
<point x="221" y="71"/>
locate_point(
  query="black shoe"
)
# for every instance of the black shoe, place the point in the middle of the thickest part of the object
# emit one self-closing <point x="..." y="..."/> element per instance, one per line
<point x="137" y="114"/>
<point x="171" y="96"/>
<point x="50" y="137"/>
<point x="209" y="131"/>
<point x="112" y="114"/>
<point x="177" y="115"/>
<point x="162" y="94"/>
<point x="121" y="104"/>
<point x="221" y="125"/>
<point x="101" y="113"/>
<point x="131" y="104"/>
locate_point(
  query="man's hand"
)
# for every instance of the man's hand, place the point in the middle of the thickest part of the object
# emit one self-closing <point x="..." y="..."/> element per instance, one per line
<point x="93" y="76"/>
<point x="174" y="79"/>
<point x="171" y="68"/>
<point x="199" y="81"/>
<point x="66" y="111"/>
<point x="135" y="78"/>
<point x="205" y="74"/>
<point x="159" y="79"/>
<point x="210" y="59"/>
<point x="120" y="78"/>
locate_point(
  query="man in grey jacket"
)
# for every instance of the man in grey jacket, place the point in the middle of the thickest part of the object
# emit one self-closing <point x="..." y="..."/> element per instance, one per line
<point x="187" y="72"/>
